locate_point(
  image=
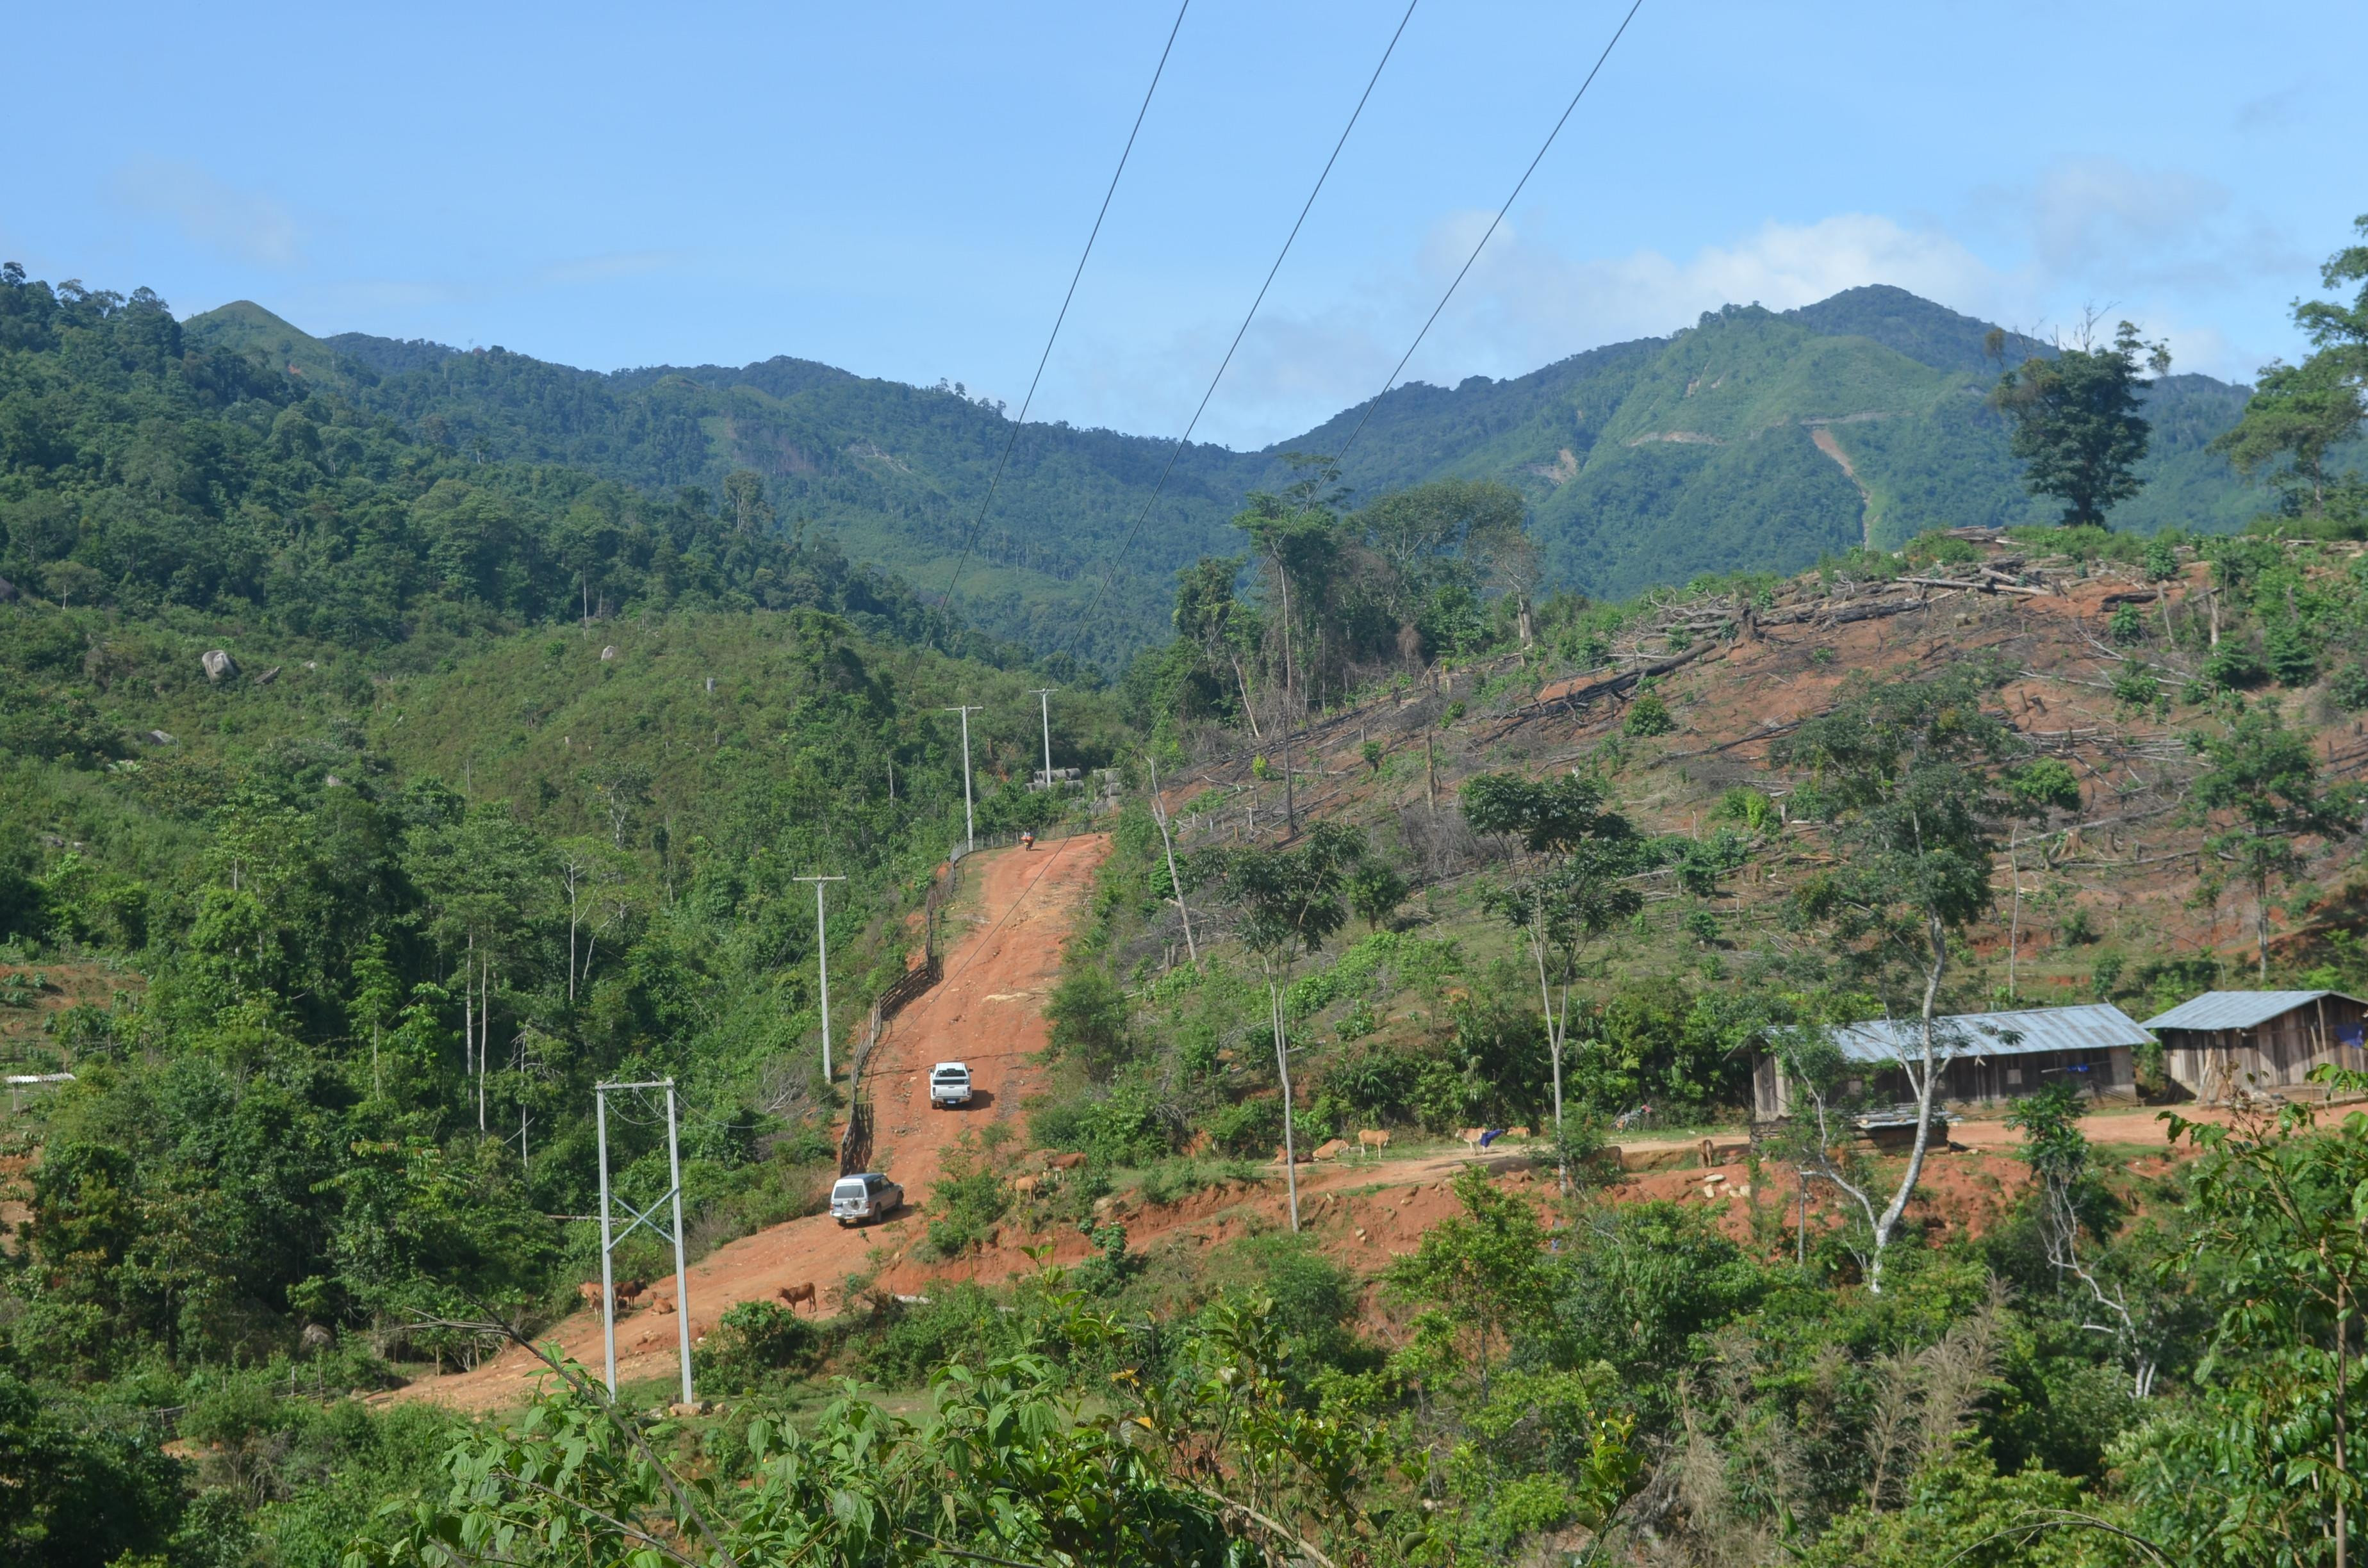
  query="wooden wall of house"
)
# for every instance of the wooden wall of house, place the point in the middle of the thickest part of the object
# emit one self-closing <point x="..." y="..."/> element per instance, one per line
<point x="2279" y="1054"/>
<point x="2111" y="1075"/>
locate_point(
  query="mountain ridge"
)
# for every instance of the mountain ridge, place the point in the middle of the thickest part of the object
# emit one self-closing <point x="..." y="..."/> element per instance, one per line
<point x="1751" y="439"/>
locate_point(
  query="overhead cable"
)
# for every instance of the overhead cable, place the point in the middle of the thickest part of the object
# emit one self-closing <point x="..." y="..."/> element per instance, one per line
<point x="970" y="536"/>
<point x="1181" y="441"/>
<point x="1493" y="224"/>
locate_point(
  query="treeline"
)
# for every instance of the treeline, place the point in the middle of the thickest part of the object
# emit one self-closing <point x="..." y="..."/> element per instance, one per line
<point x="140" y="472"/>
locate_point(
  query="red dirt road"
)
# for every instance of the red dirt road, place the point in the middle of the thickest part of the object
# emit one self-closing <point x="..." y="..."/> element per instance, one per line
<point x="989" y="1012"/>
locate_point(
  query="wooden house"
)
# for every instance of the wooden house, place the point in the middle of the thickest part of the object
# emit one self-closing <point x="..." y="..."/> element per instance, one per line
<point x="1987" y="1058"/>
<point x="2224" y="1044"/>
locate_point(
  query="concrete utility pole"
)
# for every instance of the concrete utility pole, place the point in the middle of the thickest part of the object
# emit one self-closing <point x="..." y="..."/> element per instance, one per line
<point x="610" y="1240"/>
<point x="1044" y="701"/>
<point x="821" y="964"/>
<point x="970" y="820"/>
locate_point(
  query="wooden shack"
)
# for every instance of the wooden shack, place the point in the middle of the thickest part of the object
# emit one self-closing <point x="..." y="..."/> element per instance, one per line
<point x="2226" y="1043"/>
<point x="1987" y="1058"/>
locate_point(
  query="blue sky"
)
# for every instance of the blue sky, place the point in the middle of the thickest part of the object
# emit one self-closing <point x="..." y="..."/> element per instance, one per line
<point x="901" y="189"/>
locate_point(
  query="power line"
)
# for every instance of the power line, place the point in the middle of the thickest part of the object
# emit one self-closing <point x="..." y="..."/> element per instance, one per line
<point x="1432" y="319"/>
<point x="987" y="500"/>
<point x="1181" y="441"/>
<point x="1493" y="225"/>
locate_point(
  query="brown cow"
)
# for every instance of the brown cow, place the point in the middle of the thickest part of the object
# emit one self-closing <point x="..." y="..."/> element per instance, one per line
<point x="665" y="1306"/>
<point x="1065" y="1161"/>
<point x="1331" y="1148"/>
<point x="1517" y="1133"/>
<point x="1024" y="1185"/>
<point x="589" y="1292"/>
<point x="791" y="1295"/>
<point x="631" y="1290"/>
<point x="1375" y="1140"/>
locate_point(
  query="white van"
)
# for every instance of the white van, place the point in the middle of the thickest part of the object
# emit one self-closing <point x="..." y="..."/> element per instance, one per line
<point x="870" y="1196"/>
<point x="949" y="1084"/>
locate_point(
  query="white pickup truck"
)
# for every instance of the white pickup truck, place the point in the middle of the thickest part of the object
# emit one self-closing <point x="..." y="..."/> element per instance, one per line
<point x="949" y="1084"/>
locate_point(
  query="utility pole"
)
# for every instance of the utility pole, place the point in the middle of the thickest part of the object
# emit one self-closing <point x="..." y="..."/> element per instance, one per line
<point x="609" y="1239"/>
<point x="1044" y="702"/>
<point x="821" y="964"/>
<point x="969" y="819"/>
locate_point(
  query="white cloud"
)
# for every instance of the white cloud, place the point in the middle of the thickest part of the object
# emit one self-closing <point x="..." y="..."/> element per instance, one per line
<point x="248" y="225"/>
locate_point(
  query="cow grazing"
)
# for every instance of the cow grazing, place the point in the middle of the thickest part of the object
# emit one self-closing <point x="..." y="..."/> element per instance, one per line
<point x="1332" y="1149"/>
<point x="1517" y="1133"/>
<point x="1065" y="1161"/>
<point x="791" y="1295"/>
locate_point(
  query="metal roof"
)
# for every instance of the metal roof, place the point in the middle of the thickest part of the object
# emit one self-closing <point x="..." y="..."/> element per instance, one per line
<point x="2099" y="1026"/>
<point x="2237" y="1009"/>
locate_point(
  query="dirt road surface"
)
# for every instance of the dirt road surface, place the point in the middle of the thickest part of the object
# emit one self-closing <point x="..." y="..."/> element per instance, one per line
<point x="989" y="1012"/>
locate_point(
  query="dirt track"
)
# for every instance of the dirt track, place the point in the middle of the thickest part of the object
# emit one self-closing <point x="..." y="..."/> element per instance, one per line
<point x="989" y="1011"/>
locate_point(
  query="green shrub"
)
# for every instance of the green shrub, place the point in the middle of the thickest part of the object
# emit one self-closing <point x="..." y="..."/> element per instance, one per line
<point x="1647" y="716"/>
<point x="1118" y="1128"/>
<point x="2134" y="688"/>
<point x="1088" y="1016"/>
<point x="2232" y="666"/>
<point x="966" y="1206"/>
<point x="2290" y="656"/>
<point x="1248" y="1128"/>
<point x="957" y="1322"/>
<point x="753" y="1341"/>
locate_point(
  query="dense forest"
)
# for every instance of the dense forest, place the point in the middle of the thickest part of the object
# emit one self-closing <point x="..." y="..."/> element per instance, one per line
<point x="373" y="781"/>
<point x="1748" y="441"/>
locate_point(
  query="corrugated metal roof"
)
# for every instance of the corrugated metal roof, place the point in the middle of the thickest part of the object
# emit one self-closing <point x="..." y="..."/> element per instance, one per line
<point x="2097" y="1027"/>
<point x="2237" y="1009"/>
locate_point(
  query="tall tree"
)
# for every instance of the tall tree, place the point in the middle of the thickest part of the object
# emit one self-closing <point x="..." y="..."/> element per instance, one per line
<point x="1581" y="854"/>
<point x="1210" y="616"/>
<point x="2260" y="794"/>
<point x="1907" y="776"/>
<point x="2301" y="413"/>
<point x="1287" y="902"/>
<point x="2076" y="424"/>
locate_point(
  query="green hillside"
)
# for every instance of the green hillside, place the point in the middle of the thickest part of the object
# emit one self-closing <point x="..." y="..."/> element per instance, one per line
<point x="1720" y="447"/>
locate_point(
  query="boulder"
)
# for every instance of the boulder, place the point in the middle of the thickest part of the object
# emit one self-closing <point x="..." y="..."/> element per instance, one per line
<point x="219" y="665"/>
<point x="158" y="737"/>
<point x="608" y="654"/>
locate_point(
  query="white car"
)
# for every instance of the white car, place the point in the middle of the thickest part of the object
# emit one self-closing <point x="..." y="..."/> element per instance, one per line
<point x="870" y="1196"/>
<point x="949" y="1084"/>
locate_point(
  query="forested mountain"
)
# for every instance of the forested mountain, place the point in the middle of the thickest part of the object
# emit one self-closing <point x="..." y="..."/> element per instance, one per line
<point x="1750" y="440"/>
